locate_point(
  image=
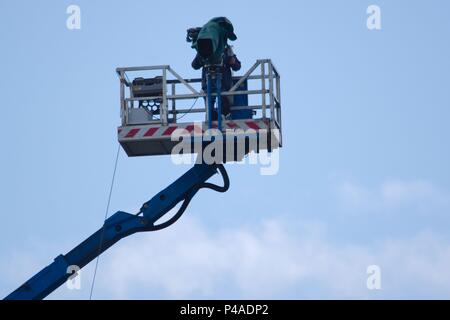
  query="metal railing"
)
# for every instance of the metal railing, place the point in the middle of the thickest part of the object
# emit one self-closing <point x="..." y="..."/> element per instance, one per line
<point x="268" y="92"/>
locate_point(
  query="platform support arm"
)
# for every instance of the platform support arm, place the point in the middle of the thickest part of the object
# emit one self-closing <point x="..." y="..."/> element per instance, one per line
<point x="118" y="226"/>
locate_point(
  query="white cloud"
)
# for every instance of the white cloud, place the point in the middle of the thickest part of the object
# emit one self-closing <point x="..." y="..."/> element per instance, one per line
<point x="400" y="192"/>
<point x="352" y="195"/>
<point x="277" y="259"/>
<point x="420" y="196"/>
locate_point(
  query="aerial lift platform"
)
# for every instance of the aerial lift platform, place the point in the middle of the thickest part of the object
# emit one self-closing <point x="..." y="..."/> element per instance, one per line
<point x="151" y="112"/>
<point x="154" y="109"/>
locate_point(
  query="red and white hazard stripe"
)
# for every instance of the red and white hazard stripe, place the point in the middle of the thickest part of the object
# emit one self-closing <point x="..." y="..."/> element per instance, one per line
<point x="165" y="132"/>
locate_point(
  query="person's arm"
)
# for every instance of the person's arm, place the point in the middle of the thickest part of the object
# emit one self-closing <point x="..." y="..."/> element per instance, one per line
<point x="197" y="62"/>
<point x="232" y="60"/>
<point x="235" y="64"/>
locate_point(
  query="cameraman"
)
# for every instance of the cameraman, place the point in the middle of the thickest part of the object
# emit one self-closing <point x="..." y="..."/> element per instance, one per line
<point x="229" y="62"/>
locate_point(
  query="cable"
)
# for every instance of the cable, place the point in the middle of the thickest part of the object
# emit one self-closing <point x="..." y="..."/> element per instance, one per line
<point x="184" y="205"/>
<point x="226" y="181"/>
<point x="178" y="215"/>
<point x="188" y="110"/>
<point x="190" y="195"/>
<point x="104" y="220"/>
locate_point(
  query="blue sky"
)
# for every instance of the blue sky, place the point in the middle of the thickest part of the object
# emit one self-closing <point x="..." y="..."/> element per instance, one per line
<point x="363" y="174"/>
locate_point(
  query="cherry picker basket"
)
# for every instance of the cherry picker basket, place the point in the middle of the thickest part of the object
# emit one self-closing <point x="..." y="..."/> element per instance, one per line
<point x="158" y="112"/>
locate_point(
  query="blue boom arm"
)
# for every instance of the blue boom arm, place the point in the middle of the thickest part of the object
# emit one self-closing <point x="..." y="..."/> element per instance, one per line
<point x="121" y="225"/>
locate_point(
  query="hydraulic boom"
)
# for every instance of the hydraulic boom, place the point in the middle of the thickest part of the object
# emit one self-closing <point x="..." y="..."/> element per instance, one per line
<point x="121" y="225"/>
